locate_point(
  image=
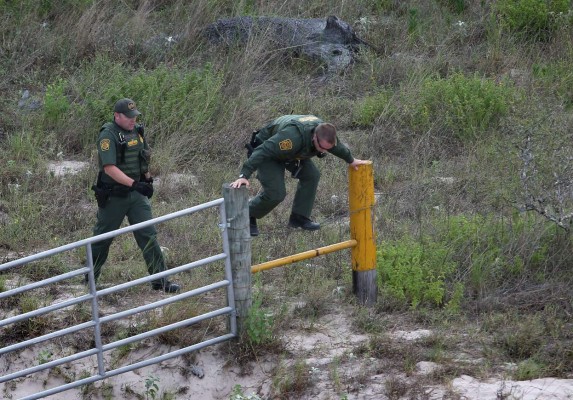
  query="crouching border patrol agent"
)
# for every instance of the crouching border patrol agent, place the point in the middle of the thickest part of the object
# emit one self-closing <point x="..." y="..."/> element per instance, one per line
<point x="124" y="187"/>
<point x="288" y="143"/>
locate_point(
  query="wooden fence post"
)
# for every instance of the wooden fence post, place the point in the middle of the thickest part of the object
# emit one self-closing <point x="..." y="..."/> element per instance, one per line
<point x="237" y="209"/>
<point x="361" y="202"/>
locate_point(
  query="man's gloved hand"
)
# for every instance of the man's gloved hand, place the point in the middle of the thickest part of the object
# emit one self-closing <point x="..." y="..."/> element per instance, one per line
<point x="142" y="178"/>
<point x="144" y="188"/>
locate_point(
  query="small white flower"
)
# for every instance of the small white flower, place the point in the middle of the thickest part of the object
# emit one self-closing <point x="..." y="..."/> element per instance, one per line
<point x="313" y="371"/>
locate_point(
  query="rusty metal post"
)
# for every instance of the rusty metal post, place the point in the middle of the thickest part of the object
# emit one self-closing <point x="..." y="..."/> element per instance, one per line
<point x="361" y="202"/>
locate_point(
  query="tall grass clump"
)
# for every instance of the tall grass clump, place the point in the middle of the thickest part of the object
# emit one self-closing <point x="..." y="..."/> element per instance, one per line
<point x="457" y="6"/>
<point x="461" y="106"/>
<point x="493" y="254"/>
<point x="368" y="110"/>
<point x="534" y="19"/>
<point x="556" y="78"/>
<point x="173" y="100"/>
<point x="41" y="9"/>
<point x="56" y="103"/>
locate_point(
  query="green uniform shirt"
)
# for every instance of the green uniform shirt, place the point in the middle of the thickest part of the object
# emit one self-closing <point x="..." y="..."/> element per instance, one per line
<point x="289" y="138"/>
<point x="109" y="149"/>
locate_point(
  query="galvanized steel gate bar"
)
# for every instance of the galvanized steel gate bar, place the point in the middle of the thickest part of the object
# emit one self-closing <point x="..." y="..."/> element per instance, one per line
<point x="93" y="295"/>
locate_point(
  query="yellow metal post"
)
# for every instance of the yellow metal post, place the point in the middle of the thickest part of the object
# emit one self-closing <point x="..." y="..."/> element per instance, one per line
<point x="361" y="202"/>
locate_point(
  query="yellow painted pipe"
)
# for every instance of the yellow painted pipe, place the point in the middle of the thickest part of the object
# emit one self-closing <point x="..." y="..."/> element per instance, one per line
<point x="361" y="203"/>
<point x="303" y="256"/>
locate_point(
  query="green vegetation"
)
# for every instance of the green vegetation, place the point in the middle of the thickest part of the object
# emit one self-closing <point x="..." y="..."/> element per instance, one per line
<point x="463" y="106"/>
<point x="414" y="272"/>
<point x="151" y="387"/>
<point x="534" y="18"/>
<point x="466" y="106"/>
<point x="259" y="325"/>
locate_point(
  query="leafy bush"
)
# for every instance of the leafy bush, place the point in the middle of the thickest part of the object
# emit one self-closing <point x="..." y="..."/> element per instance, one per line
<point x="534" y="18"/>
<point x="259" y="326"/>
<point x="414" y="271"/>
<point x="465" y="106"/>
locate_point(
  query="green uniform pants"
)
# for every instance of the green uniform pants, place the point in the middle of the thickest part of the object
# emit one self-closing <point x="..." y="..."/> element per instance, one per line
<point x="271" y="174"/>
<point x="137" y="209"/>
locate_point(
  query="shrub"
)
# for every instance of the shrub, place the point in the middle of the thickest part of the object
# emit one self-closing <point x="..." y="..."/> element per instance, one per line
<point x="465" y="106"/>
<point x="414" y="271"/>
<point x="259" y="326"/>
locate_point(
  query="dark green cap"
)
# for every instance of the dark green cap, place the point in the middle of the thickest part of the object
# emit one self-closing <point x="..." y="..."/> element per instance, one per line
<point x="126" y="107"/>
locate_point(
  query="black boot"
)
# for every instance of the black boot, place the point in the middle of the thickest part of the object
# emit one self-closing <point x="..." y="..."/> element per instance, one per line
<point x="166" y="286"/>
<point x="253" y="226"/>
<point x="299" y="221"/>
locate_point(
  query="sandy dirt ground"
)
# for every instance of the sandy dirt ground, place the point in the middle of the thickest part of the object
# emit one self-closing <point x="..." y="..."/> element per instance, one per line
<point x="327" y="350"/>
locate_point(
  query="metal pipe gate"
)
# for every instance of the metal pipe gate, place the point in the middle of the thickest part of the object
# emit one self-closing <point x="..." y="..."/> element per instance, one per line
<point x="94" y="294"/>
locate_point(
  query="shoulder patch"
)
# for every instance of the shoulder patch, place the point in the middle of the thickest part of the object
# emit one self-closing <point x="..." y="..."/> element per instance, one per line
<point x="308" y="118"/>
<point x="285" y="144"/>
<point x="104" y="144"/>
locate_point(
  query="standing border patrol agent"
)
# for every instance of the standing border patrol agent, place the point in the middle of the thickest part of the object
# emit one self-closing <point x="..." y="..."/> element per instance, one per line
<point x="288" y="143"/>
<point x="124" y="187"/>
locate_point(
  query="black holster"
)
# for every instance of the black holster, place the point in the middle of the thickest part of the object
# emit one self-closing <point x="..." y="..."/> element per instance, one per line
<point x="295" y="166"/>
<point x="253" y="143"/>
<point x="101" y="191"/>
